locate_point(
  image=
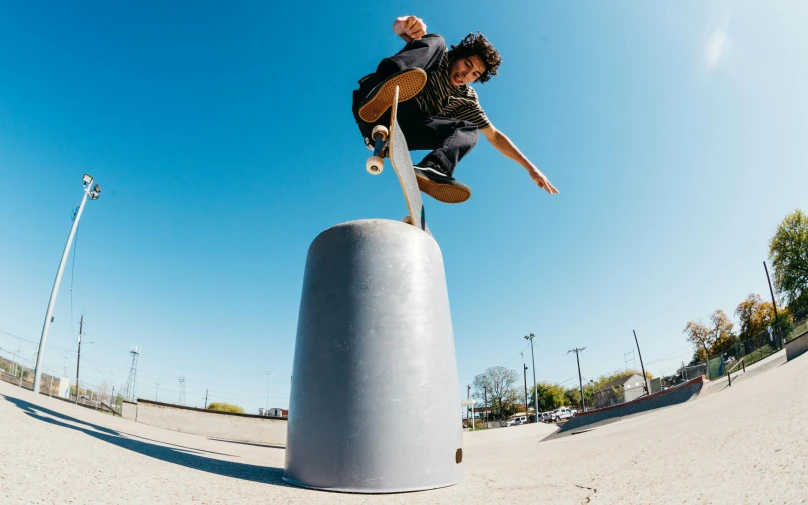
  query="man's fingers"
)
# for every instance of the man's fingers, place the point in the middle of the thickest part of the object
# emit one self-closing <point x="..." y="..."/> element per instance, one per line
<point x="544" y="184"/>
<point x="410" y="22"/>
<point x="417" y="34"/>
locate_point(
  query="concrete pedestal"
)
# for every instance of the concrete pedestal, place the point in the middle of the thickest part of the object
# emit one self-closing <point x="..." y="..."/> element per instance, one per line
<point x="374" y="404"/>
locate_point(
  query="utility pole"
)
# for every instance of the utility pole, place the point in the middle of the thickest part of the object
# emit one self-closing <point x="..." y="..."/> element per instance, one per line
<point x="157" y="393"/>
<point x="78" y="359"/>
<point x="468" y="397"/>
<point x="16" y="354"/>
<point x="89" y="192"/>
<point x="266" y="407"/>
<point x="535" y="384"/>
<point x="577" y="350"/>
<point x="774" y="303"/>
<point x="182" y="391"/>
<point x="206" y="398"/>
<point x="485" y="399"/>
<point x="527" y="414"/>
<point x="644" y="377"/>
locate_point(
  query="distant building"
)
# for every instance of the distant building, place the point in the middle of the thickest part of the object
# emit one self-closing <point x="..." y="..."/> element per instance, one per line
<point x="624" y="389"/>
<point x="274" y="412"/>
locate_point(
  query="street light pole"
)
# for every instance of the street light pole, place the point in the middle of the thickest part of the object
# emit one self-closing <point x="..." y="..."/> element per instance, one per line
<point x="89" y="192"/>
<point x="535" y="385"/>
<point x="527" y="414"/>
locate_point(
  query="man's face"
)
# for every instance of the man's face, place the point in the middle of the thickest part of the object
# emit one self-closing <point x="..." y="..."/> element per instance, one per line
<point x="466" y="70"/>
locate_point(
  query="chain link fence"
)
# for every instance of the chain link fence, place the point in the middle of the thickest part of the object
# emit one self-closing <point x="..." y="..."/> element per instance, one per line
<point x="753" y="349"/>
<point x="18" y="371"/>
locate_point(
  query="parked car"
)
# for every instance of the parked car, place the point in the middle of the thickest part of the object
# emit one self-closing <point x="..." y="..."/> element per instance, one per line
<point x="546" y="417"/>
<point x="564" y="413"/>
<point x="514" y="420"/>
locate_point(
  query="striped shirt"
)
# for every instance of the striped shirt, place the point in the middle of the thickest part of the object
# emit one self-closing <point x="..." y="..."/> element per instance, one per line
<point x="440" y="98"/>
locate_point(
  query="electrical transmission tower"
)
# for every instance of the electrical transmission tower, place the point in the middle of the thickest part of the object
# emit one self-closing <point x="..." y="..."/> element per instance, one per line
<point x="628" y="357"/>
<point x="182" y="391"/>
<point x="131" y="382"/>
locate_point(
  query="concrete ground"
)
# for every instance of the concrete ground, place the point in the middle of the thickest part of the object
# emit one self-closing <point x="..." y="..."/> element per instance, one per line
<point x="744" y="444"/>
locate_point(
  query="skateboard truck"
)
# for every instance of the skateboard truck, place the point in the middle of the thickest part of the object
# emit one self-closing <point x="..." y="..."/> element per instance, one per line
<point x="375" y="163"/>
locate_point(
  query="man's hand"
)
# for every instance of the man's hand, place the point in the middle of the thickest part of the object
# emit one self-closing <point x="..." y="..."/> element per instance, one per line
<point x="409" y="28"/>
<point x="542" y="180"/>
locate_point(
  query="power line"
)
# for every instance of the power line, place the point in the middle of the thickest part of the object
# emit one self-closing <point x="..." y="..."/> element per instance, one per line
<point x="35" y="342"/>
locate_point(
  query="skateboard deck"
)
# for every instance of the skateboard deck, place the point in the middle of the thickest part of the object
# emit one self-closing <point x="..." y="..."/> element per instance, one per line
<point x="399" y="154"/>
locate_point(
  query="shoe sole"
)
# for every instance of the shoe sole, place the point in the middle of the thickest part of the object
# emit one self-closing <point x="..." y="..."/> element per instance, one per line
<point x="410" y="83"/>
<point x="446" y="193"/>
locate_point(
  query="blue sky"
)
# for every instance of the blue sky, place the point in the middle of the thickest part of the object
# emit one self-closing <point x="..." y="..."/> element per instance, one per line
<point x="223" y="142"/>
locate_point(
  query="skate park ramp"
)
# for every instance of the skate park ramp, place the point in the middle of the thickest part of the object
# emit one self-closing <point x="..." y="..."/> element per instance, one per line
<point x="528" y="432"/>
<point x="724" y="446"/>
<point x="586" y="421"/>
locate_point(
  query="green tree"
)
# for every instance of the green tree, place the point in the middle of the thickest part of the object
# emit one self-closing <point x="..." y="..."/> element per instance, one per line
<point x="498" y="384"/>
<point x="754" y="315"/>
<point x="572" y="397"/>
<point x="788" y="252"/>
<point x="551" y="396"/>
<point x="225" y="407"/>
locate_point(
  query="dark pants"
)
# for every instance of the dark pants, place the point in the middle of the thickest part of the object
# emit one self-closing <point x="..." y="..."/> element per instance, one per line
<point x="449" y="139"/>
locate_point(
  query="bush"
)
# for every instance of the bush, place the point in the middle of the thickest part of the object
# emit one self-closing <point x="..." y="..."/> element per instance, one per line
<point x="225" y="407"/>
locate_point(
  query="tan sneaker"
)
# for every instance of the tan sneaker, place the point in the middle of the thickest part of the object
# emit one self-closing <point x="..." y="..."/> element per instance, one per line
<point x="410" y="83"/>
<point x="440" y="187"/>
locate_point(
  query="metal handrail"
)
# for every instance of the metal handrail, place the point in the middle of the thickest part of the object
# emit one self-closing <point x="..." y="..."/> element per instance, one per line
<point x="729" y="372"/>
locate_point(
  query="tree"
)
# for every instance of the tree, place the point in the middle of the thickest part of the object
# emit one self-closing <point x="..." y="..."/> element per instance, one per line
<point x="497" y="383"/>
<point x="788" y="252"/>
<point x="754" y="315"/>
<point x="712" y="338"/>
<point x="551" y="396"/>
<point x="572" y="397"/>
<point x="225" y="407"/>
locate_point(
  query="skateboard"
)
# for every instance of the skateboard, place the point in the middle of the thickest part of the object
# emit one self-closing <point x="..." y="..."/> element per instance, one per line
<point x="392" y="144"/>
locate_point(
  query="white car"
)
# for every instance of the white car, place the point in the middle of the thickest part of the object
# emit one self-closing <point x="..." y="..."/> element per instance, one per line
<point x="563" y="413"/>
<point x="547" y="417"/>
<point x="513" y="421"/>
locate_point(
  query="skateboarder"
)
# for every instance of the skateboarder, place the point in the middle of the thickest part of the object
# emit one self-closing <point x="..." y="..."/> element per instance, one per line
<point x="445" y="115"/>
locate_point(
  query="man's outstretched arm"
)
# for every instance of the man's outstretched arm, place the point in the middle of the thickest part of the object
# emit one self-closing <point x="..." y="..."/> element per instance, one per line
<point x="409" y="28"/>
<point x="507" y="147"/>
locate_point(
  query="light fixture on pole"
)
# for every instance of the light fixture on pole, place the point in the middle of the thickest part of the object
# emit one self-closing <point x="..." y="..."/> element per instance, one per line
<point x="93" y="194"/>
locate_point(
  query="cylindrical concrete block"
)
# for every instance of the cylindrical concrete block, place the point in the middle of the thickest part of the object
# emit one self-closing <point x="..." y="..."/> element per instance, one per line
<point x="374" y="405"/>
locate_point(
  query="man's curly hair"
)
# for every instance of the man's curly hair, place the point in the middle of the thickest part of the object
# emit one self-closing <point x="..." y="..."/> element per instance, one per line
<point x="477" y="44"/>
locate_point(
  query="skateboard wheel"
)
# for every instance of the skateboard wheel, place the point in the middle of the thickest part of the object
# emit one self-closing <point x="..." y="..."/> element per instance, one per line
<point x="380" y="130"/>
<point x="374" y="165"/>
